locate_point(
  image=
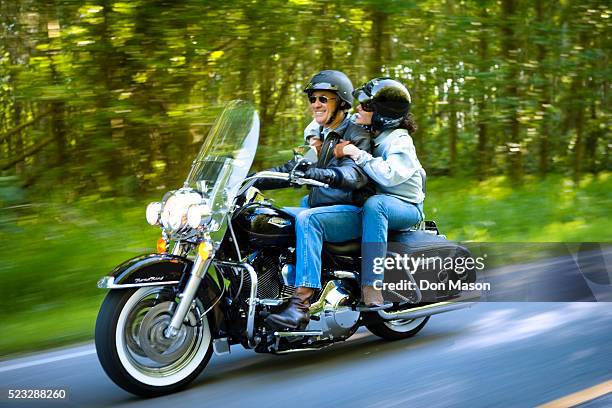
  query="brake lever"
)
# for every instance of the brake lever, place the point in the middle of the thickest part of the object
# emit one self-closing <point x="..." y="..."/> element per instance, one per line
<point x="302" y="181"/>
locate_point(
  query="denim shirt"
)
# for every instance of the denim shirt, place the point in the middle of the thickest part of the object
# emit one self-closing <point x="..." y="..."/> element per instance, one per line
<point x="394" y="166"/>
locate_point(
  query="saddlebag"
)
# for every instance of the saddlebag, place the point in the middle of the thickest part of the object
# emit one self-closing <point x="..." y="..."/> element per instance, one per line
<point x="439" y="268"/>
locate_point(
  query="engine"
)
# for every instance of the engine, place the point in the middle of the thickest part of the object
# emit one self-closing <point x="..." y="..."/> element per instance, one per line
<point x="336" y="318"/>
<point x="270" y="281"/>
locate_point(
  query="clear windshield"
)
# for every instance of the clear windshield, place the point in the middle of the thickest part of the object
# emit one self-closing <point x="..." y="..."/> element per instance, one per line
<point x="234" y="136"/>
<point x="226" y="157"/>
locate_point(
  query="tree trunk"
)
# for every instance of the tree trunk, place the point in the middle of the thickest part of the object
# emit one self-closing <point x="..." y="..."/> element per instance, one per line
<point x="579" y="145"/>
<point x="452" y="133"/>
<point x="482" y="154"/>
<point x="544" y="99"/>
<point x="113" y="160"/>
<point x="17" y="147"/>
<point x="592" y="138"/>
<point x="510" y="53"/>
<point x="58" y="126"/>
<point x="578" y="102"/>
<point x="379" y="42"/>
<point x="422" y="120"/>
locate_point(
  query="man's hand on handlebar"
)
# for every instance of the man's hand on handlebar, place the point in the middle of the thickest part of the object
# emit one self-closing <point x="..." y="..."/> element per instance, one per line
<point x="327" y="176"/>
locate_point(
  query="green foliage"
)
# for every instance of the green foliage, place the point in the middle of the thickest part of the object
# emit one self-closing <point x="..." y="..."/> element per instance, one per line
<point x="132" y="83"/>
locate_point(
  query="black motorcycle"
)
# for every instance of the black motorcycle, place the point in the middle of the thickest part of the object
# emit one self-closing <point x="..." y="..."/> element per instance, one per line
<point x="221" y="268"/>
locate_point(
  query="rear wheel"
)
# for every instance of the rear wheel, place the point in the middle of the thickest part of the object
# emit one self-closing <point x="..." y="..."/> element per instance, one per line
<point x="133" y="350"/>
<point x="398" y="329"/>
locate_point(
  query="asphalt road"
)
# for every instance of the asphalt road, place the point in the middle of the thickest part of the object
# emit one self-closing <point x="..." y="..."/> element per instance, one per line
<point x="492" y="355"/>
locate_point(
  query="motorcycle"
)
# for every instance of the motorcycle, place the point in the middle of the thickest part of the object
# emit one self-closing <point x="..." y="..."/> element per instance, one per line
<point x="222" y="266"/>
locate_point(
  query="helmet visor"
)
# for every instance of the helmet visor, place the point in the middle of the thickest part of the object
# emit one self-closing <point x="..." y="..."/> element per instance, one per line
<point x="361" y="95"/>
<point x="320" y="86"/>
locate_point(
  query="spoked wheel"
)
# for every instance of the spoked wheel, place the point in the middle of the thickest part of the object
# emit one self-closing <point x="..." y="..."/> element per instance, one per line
<point x="398" y="329"/>
<point x="132" y="347"/>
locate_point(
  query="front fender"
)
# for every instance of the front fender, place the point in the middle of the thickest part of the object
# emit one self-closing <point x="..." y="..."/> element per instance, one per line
<point x="166" y="269"/>
<point x="147" y="270"/>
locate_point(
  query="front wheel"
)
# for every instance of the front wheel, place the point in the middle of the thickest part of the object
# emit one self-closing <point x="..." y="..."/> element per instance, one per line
<point x="132" y="348"/>
<point x="398" y="329"/>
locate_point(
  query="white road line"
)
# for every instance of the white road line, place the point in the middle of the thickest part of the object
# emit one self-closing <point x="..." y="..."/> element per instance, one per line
<point x="47" y="360"/>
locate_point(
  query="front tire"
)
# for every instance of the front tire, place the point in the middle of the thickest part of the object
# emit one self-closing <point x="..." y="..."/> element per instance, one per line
<point x="398" y="329"/>
<point x="133" y="351"/>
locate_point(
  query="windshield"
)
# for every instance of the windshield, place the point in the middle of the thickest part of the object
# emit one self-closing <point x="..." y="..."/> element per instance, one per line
<point x="225" y="157"/>
<point x="234" y="136"/>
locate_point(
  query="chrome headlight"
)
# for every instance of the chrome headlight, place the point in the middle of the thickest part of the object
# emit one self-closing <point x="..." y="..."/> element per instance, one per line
<point x="174" y="212"/>
<point x="198" y="214"/>
<point x="154" y="213"/>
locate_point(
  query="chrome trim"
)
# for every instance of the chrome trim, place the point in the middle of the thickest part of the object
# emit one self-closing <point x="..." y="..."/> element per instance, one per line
<point x="250" y="329"/>
<point x="231" y="228"/>
<point x="186" y="297"/>
<point x="177" y="249"/>
<point x="285" y="273"/>
<point x="299" y="333"/>
<point x="108" y="282"/>
<point x="344" y="275"/>
<point x="428" y="310"/>
<point x="221" y="346"/>
<point x="270" y="302"/>
<point x="319" y="305"/>
<point x="302" y="349"/>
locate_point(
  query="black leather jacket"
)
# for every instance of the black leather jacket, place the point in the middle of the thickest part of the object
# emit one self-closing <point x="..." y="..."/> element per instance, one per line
<point x="354" y="188"/>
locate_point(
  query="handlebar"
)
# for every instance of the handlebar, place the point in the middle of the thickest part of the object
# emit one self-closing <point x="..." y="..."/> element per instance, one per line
<point x="290" y="177"/>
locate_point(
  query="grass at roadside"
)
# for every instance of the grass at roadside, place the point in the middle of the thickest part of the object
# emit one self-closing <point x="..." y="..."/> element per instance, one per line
<point x="52" y="255"/>
<point x="550" y="210"/>
<point x="42" y="329"/>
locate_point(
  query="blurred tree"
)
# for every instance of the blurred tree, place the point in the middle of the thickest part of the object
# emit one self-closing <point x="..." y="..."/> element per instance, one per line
<point x="110" y="97"/>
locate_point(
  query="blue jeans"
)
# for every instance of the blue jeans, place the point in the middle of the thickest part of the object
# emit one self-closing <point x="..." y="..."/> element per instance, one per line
<point x="381" y="213"/>
<point x="334" y="223"/>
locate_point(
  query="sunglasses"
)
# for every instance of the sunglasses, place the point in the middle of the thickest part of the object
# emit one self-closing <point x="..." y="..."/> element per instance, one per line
<point x="367" y="106"/>
<point x="322" y="99"/>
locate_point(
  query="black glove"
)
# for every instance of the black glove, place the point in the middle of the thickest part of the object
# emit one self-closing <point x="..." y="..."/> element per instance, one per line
<point x="328" y="176"/>
<point x="302" y="166"/>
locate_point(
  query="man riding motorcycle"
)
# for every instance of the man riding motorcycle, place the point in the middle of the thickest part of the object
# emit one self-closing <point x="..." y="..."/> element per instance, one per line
<point x="330" y="96"/>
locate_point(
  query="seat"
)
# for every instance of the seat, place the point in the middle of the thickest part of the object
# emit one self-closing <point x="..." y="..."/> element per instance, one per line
<point x="347" y="248"/>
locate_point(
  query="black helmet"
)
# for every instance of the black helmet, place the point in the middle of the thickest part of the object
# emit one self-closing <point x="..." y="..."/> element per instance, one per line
<point x="389" y="99"/>
<point x="334" y="81"/>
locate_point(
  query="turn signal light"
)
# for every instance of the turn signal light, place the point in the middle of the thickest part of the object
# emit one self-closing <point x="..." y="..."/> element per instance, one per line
<point x="162" y="246"/>
<point x="204" y="250"/>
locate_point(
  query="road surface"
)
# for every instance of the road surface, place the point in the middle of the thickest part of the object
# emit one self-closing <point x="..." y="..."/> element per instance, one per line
<point x="492" y="355"/>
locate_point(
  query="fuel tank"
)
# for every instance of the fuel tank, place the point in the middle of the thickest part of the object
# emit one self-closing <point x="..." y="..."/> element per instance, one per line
<point x="265" y="226"/>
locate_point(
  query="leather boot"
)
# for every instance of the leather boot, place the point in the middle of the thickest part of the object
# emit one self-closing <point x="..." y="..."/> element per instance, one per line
<point x="295" y="315"/>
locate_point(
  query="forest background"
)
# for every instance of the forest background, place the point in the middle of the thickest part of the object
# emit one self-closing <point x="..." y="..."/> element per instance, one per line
<point x="103" y="103"/>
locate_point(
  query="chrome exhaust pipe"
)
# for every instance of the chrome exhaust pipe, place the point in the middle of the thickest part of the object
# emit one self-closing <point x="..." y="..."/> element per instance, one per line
<point x="298" y="333"/>
<point x="430" y="310"/>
